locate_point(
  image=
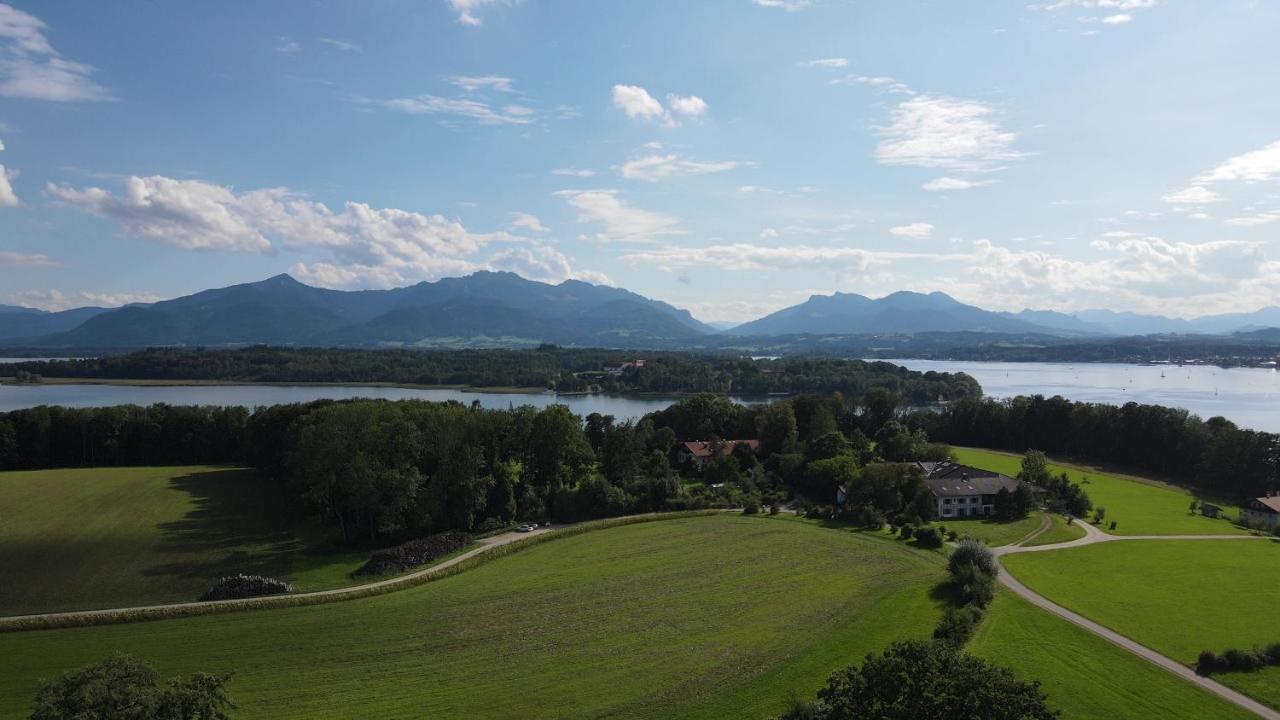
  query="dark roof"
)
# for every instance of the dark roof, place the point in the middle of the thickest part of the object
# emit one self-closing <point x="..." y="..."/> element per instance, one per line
<point x="1271" y="503"/>
<point x="949" y="479"/>
<point x="702" y="448"/>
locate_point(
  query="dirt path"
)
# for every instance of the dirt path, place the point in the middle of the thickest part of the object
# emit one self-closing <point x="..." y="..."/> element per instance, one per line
<point x="82" y="617"/>
<point x="1093" y="536"/>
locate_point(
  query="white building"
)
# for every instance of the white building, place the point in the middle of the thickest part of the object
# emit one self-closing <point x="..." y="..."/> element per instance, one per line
<point x="961" y="491"/>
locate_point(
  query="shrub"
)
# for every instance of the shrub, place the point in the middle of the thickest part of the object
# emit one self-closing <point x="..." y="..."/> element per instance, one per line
<point x="1208" y="662"/>
<point x="970" y="552"/>
<point x="1272" y="652"/>
<point x="413" y="553"/>
<point x="774" y="509"/>
<point x="122" y="687"/>
<point x="751" y="506"/>
<point x="928" y="537"/>
<point x="957" y="625"/>
<point x="1243" y="660"/>
<point x="245" y="586"/>
<point x="907" y="531"/>
<point x="952" y="536"/>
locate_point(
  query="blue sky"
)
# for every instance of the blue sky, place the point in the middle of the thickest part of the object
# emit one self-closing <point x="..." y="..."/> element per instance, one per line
<point x="732" y="156"/>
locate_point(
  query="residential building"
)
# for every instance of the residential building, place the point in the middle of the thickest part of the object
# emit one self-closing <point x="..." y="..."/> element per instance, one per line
<point x="1262" y="512"/>
<point x="961" y="491"/>
<point x="698" y="452"/>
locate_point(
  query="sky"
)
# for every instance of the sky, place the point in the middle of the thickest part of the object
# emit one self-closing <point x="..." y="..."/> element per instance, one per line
<point x="731" y="157"/>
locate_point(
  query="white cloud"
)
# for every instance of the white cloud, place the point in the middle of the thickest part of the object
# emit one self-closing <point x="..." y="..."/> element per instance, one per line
<point x="342" y="45"/>
<point x="1117" y="19"/>
<point x="942" y="132"/>
<point x="943" y="184"/>
<point x="915" y="231"/>
<point x="622" y="223"/>
<point x="788" y="5"/>
<point x="476" y="110"/>
<point x="17" y="259"/>
<point x="370" y="247"/>
<point x="636" y="102"/>
<point x="7" y="197"/>
<point x="56" y="300"/>
<point x="471" y="83"/>
<point x="688" y="106"/>
<point x="31" y="68"/>
<point x="1117" y="12"/>
<point x="467" y="10"/>
<point x="1256" y="166"/>
<point x="527" y="221"/>
<point x="543" y="263"/>
<point x="661" y="167"/>
<point x="1195" y="195"/>
<point x="1255" y="220"/>
<point x="573" y="172"/>
<point x="746" y="256"/>
<point x="286" y="45"/>
<point x="834" y="62"/>
<point x="881" y="82"/>
<point x="768" y="233"/>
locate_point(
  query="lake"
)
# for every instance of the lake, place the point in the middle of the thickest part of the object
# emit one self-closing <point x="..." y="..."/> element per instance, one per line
<point x="1249" y="397"/>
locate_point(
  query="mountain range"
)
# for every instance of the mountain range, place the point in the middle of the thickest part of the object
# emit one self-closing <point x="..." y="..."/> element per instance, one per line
<point x="504" y="309"/>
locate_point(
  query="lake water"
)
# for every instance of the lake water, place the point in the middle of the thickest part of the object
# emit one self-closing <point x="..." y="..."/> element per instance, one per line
<point x="14" y="397"/>
<point x="1249" y="397"/>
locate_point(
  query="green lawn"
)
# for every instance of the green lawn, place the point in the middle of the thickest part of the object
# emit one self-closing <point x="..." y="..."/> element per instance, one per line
<point x="1176" y="596"/>
<point x="1138" y="508"/>
<point x="707" y="617"/>
<point x="1085" y="676"/>
<point x="1060" y="532"/>
<point x="991" y="532"/>
<point x="110" y="537"/>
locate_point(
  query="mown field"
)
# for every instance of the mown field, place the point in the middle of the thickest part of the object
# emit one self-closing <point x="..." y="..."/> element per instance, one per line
<point x="1085" y="676"/>
<point x="1059" y="532"/>
<point x="707" y="617"/>
<point x="1138" y="508"/>
<point x="110" y="537"/>
<point x="992" y="532"/>
<point x="1176" y="596"/>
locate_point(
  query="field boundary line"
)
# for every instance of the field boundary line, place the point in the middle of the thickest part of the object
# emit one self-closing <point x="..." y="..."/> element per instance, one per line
<point x="489" y="549"/>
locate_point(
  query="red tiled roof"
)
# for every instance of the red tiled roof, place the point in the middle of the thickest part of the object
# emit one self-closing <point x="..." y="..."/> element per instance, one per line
<point x="702" y="448"/>
<point x="1272" y="502"/>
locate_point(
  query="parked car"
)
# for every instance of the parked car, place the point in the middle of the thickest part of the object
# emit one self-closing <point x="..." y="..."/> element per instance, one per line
<point x="526" y="528"/>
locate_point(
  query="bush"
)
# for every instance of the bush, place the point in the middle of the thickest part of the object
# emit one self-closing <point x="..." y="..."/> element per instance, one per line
<point x="906" y="532"/>
<point x="414" y="553"/>
<point x="122" y="687"/>
<point x="774" y="509"/>
<point x="1208" y="662"/>
<point x="1272" y="652"/>
<point x="970" y="552"/>
<point x="750" y="506"/>
<point x="1243" y="660"/>
<point x="928" y="537"/>
<point x="952" y="536"/>
<point x="1236" y="660"/>
<point x="245" y="586"/>
<point x="490" y="525"/>
<point x="957" y="625"/>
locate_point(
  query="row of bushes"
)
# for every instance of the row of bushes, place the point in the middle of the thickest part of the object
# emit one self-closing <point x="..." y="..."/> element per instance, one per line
<point x="234" y="587"/>
<point x="409" y="555"/>
<point x="973" y="579"/>
<point x="1236" y="660"/>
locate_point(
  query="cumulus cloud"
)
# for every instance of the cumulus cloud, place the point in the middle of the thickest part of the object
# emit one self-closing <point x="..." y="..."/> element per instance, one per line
<point x="1107" y="12"/>
<point x="622" y="222"/>
<point x="7" y="196"/>
<point x="943" y="184"/>
<point x="31" y="68"/>
<point x="747" y="256"/>
<point x="467" y="10"/>
<point x="914" y="231"/>
<point x="660" y="167"/>
<point x="942" y="132"/>
<point x="527" y="221"/>
<point x="1195" y="195"/>
<point x="1256" y="166"/>
<point x="688" y="106"/>
<point x="636" y="102"/>
<point x="833" y="62"/>
<point x="543" y="263"/>
<point x="367" y="246"/>
<point x="16" y="259"/>
<point x="56" y="300"/>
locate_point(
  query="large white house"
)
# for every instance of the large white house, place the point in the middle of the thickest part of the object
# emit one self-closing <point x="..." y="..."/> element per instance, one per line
<point x="962" y="491"/>
<point x="1263" y="511"/>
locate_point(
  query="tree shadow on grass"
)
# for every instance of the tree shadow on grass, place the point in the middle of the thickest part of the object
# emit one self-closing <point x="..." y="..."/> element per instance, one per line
<point x="239" y="524"/>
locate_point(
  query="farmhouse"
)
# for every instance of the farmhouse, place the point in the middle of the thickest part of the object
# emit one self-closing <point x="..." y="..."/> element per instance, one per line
<point x="1263" y="511"/>
<point x="963" y="491"/>
<point x="698" y="452"/>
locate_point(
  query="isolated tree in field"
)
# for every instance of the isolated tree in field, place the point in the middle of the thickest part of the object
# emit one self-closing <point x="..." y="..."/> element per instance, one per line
<point x="122" y="688"/>
<point x="920" y="680"/>
<point x="1035" y="469"/>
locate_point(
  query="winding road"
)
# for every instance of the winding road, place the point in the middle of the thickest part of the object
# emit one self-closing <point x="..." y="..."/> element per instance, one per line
<point x="1093" y="536"/>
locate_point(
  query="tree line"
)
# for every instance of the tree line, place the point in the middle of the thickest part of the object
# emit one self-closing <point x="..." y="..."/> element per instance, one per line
<point x="1214" y="455"/>
<point x="549" y="367"/>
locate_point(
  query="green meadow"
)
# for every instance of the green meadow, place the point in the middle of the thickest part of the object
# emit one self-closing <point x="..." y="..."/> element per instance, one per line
<point x="704" y="617"/>
<point x="1059" y="532"/>
<point x="1176" y="596"/>
<point x="1085" y="676"/>
<point x="1139" y="508"/>
<point x="111" y="537"/>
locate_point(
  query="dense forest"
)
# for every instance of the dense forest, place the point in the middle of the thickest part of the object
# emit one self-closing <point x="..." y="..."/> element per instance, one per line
<point x="550" y="367"/>
<point x="1168" y="443"/>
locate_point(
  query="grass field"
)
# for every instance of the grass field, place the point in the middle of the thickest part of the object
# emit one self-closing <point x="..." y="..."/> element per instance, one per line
<point x="110" y="537"/>
<point x="1085" y="676"/>
<point x="1059" y="532"/>
<point x="1138" y="508"/>
<point x="709" y="617"/>
<point x="1176" y="596"/>
<point x="991" y="532"/>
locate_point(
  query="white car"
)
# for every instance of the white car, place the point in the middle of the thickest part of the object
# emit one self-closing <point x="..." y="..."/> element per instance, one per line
<point x="526" y="528"/>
